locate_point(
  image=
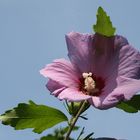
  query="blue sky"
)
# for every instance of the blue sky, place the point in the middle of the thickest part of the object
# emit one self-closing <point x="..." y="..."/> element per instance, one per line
<point x="32" y="35"/>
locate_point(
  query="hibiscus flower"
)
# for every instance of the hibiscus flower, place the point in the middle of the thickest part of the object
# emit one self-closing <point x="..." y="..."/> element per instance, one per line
<point x="102" y="70"/>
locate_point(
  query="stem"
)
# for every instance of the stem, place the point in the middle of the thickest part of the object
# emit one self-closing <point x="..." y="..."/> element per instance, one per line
<point x="74" y="120"/>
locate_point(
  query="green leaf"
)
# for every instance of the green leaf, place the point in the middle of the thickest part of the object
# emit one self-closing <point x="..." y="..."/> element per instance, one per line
<point x="81" y="133"/>
<point x="88" y="137"/>
<point x="73" y="107"/>
<point x="64" y="130"/>
<point x="49" y="137"/>
<point x="58" y="134"/>
<point x="103" y="25"/>
<point x="131" y="106"/>
<point x="38" y="117"/>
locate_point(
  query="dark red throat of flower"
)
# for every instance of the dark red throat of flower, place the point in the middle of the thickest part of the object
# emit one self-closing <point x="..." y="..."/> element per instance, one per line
<point x="91" y="85"/>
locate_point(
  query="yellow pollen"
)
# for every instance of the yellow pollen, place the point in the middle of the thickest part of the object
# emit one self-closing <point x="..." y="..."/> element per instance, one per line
<point x="89" y="83"/>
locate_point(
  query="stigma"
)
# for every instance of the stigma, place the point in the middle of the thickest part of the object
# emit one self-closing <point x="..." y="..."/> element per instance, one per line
<point x="89" y="83"/>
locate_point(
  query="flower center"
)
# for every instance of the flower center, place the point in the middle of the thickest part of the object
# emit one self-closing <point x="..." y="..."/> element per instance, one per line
<point x="92" y="85"/>
<point x="89" y="83"/>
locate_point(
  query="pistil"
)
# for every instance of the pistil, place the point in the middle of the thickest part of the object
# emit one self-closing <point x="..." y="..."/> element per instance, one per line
<point x="89" y="83"/>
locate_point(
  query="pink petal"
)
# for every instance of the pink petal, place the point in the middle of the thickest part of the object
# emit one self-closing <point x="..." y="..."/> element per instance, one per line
<point x="80" y="50"/>
<point x="58" y="91"/>
<point x="129" y="62"/>
<point x="116" y="58"/>
<point x="95" y="101"/>
<point x="124" y="62"/>
<point x="106" y="55"/>
<point x="102" y="55"/>
<point x="62" y="72"/>
<point x="73" y="95"/>
<point x="125" y="90"/>
<point x="54" y="87"/>
<point x="110" y="85"/>
<point x="127" y="87"/>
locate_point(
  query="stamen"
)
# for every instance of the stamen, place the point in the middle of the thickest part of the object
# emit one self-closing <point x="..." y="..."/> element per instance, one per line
<point x="89" y="83"/>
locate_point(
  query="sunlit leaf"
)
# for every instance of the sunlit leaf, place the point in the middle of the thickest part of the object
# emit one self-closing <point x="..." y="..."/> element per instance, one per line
<point x="38" y="117"/>
<point x="103" y="25"/>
